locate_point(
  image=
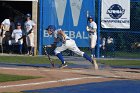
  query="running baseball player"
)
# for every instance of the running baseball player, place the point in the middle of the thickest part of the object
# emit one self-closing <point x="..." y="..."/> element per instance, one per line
<point x="67" y="43"/>
<point x="16" y="34"/>
<point x="91" y="28"/>
<point x="29" y="24"/>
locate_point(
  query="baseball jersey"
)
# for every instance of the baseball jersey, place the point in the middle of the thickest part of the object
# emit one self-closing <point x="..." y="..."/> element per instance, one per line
<point x="6" y="24"/>
<point x="17" y="33"/>
<point x="56" y="35"/>
<point x="29" y="24"/>
<point x="93" y="25"/>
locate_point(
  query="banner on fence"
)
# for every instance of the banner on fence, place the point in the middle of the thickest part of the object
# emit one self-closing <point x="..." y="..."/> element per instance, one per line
<point x="115" y="14"/>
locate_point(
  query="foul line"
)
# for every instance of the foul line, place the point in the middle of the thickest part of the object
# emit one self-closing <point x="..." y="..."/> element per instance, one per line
<point x="47" y="82"/>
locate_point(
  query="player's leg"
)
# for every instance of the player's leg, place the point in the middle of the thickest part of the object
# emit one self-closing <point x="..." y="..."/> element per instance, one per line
<point x="28" y="45"/>
<point x="20" y="48"/>
<point x="93" y="39"/>
<point x="73" y="47"/>
<point x="32" y="43"/>
<point x="57" y="52"/>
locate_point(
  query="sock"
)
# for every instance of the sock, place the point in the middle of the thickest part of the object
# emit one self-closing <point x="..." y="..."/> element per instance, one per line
<point x="87" y="57"/>
<point x="93" y="52"/>
<point x="59" y="55"/>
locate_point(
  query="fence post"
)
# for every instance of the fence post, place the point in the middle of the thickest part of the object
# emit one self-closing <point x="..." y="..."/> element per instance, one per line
<point x="98" y="29"/>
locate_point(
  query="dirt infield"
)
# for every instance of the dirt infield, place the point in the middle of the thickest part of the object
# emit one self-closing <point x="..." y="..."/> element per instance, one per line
<point x="62" y="77"/>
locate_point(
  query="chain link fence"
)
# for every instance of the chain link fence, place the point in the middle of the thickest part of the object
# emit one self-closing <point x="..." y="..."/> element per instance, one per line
<point x="125" y="43"/>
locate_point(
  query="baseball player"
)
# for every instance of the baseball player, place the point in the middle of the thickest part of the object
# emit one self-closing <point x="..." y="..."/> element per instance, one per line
<point x="67" y="43"/>
<point x="16" y="34"/>
<point x="30" y="25"/>
<point x="6" y="32"/>
<point x="91" y="28"/>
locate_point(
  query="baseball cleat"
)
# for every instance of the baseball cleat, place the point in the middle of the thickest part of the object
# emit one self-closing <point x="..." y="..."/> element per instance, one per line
<point x="63" y="65"/>
<point x="94" y="63"/>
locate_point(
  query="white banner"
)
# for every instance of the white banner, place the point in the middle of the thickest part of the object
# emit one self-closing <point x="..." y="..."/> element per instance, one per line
<point x="115" y="14"/>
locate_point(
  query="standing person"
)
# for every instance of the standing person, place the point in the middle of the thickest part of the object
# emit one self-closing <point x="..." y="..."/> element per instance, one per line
<point x="6" y="31"/>
<point x="91" y="28"/>
<point x="67" y="43"/>
<point x="30" y="28"/>
<point x="102" y="46"/>
<point x="110" y="46"/>
<point x="16" y="34"/>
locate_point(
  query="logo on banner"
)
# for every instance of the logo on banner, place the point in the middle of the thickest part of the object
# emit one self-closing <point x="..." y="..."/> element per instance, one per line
<point x="115" y="11"/>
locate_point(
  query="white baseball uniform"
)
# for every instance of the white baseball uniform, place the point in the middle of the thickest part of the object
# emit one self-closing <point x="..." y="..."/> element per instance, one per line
<point x="6" y="26"/>
<point x="93" y="35"/>
<point x="30" y="38"/>
<point x="68" y="44"/>
<point x="16" y="34"/>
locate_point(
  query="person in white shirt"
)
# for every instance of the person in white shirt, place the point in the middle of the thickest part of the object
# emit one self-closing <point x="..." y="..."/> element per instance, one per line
<point x="67" y="43"/>
<point x="92" y="30"/>
<point x="16" y="34"/>
<point x="5" y="34"/>
<point x="30" y="26"/>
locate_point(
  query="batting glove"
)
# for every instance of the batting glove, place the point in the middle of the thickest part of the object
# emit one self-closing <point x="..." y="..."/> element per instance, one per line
<point x="87" y="28"/>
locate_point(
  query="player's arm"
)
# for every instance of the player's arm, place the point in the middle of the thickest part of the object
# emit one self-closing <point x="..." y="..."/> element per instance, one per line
<point x="1" y="26"/>
<point x="90" y="29"/>
<point x="62" y="34"/>
<point x="93" y="30"/>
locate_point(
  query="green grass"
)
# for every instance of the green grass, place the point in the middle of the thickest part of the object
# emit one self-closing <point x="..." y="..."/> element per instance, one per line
<point x="120" y="62"/>
<point x="127" y="54"/>
<point x="7" y="77"/>
<point x="44" y="60"/>
<point x="26" y="59"/>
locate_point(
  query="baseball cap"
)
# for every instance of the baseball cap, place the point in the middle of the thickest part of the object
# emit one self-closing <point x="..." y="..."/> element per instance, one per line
<point x="90" y="17"/>
<point x="28" y="15"/>
<point x="18" y="24"/>
<point x="51" y="27"/>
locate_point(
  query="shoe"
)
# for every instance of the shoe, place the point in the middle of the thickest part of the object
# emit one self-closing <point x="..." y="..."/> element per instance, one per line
<point x="63" y="65"/>
<point x="94" y="64"/>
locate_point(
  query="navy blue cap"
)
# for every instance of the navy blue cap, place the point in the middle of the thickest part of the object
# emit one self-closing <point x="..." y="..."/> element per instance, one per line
<point x="18" y="24"/>
<point x="51" y="27"/>
<point x="28" y="15"/>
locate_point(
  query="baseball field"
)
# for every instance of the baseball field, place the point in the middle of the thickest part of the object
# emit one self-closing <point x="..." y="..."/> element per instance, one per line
<point x="27" y="74"/>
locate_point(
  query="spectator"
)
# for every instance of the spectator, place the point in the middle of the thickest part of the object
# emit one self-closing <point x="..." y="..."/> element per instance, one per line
<point x="16" y="34"/>
<point x="103" y="46"/>
<point x="110" y="46"/>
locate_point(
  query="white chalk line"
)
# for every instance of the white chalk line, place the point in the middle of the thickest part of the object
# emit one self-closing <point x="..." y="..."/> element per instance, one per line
<point x="47" y="82"/>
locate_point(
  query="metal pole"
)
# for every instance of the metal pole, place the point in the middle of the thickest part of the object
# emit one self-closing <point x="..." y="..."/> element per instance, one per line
<point x="98" y="35"/>
<point x="40" y="26"/>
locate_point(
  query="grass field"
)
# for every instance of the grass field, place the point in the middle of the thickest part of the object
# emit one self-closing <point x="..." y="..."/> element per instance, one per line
<point x="26" y="59"/>
<point x="7" y="77"/>
<point x="120" y="62"/>
<point x="44" y="60"/>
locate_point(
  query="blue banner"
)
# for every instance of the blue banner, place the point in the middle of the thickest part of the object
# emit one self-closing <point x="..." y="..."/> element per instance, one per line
<point x="70" y="16"/>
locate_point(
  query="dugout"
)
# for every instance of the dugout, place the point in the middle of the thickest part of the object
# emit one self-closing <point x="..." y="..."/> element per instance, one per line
<point x="17" y="9"/>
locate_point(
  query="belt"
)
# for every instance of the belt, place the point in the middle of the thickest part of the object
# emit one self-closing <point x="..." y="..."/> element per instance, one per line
<point x="91" y="33"/>
<point x="67" y="39"/>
